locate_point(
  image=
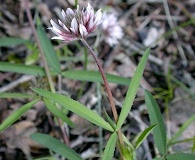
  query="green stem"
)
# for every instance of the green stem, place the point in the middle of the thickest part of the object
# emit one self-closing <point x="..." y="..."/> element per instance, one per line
<point x="99" y="109"/>
<point x="76" y="3"/>
<point x="85" y="68"/>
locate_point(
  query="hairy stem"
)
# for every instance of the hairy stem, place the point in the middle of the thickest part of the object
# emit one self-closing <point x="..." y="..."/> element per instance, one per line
<point x="110" y="97"/>
<point x="104" y="80"/>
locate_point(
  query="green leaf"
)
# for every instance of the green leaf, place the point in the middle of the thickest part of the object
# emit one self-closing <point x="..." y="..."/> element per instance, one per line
<point x="193" y="147"/>
<point x="128" y="154"/>
<point x="56" y="146"/>
<point x="127" y="142"/>
<point x="133" y="87"/>
<point x="58" y="113"/>
<point x="48" y="50"/>
<point x="181" y="156"/>
<point x="182" y="129"/>
<point x="156" y="118"/>
<point x="159" y="158"/>
<point x="143" y="136"/>
<point x="15" y="95"/>
<point x="32" y="58"/>
<point x="16" y="115"/>
<point x="21" y="68"/>
<point x="110" y="121"/>
<point x="81" y="75"/>
<point x="94" y="76"/>
<point x="75" y="107"/>
<point x="45" y="158"/>
<point x="110" y="147"/>
<point x="11" y="41"/>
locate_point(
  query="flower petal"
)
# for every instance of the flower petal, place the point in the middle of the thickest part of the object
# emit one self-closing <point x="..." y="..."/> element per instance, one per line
<point x="112" y="31"/>
<point x="90" y="10"/>
<point x="57" y="31"/>
<point x="69" y="11"/>
<point x="60" y="38"/>
<point x="98" y="17"/>
<point x="83" y="31"/>
<point x="90" y="25"/>
<point x="77" y="7"/>
<point x="74" y="25"/>
<point x="63" y="26"/>
<point x="54" y="25"/>
<point x="63" y="14"/>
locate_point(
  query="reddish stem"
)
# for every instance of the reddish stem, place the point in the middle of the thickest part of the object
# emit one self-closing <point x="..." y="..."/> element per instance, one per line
<point x="104" y="80"/>
<point x="110" y="97"/>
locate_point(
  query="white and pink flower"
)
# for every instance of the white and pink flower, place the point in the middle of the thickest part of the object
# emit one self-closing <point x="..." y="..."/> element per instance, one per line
<point x="76" y="24"/>
<point x="111" y="29"/>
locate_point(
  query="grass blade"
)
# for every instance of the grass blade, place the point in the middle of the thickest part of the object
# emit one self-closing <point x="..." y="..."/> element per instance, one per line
<point x="110" y="147"/>
<point x="159" y="158"/>
<point x="156" y="118"/>
<point x="16" y="115"/>
<point x="58" y="113"/>
<point x="182" y="129"/>
<point x="75" y="107"/>
<point x="110" y="121"/>
<point x="48" y="50"/>
<point x="45" y="158"/>
<point x="15" y="95"/>
<point x="193" y="147"/>
<point x="181" y="156"/>
<point x="21" y="68"/>
<point x="127" y="142"/>
<point x="11" y="41"/>
<point x="143" y="136"/>
<point x="94" y="76"/>
<point x="133" y="87"/>
<point x="81" y="75"/>
<point x="55" y="145"/>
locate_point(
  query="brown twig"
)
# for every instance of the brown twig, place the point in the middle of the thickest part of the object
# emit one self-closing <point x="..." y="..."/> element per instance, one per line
<point x="26" y="2"/>
<point x="46" y="67"/>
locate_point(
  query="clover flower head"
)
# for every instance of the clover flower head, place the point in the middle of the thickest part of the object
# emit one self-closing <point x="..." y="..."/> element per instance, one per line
<point x="111" y="29"/>
<point x="76" y="24"/>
